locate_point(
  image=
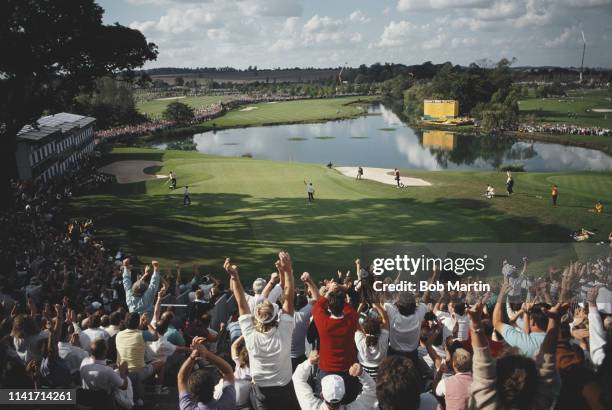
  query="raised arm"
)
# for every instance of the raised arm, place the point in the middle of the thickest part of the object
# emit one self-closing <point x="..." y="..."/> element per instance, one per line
<point x="384" y="317"/>
<point x="126" y="276"/>
<point x="311" y="285"/>
<point x="224" y="368"/>
<point x="157" y="308"/>
<point x="274" y="279"/>
<point x="55" y="333"/>
<point x="236" y="285"/>
<point x="597" y="332"/>
<point x="477" y="334"/>
<point x="498" y="322"/>
<point x="432" y="279"/>
<point x="234" y="348"/>
<point x="549" y="345"/>
<point x="289" y="289"/>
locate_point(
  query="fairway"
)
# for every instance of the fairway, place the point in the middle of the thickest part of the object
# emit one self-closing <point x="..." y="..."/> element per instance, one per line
<point x="155" y="108"/>
<point x="248" y="209"/>
<point x="283" y="112"/>
<point x="576" y="108"/>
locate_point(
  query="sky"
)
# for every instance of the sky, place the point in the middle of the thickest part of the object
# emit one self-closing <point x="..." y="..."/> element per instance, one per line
<point x="331" y="33"/>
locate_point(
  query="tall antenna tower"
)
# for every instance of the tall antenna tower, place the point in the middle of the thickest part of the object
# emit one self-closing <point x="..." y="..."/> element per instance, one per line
<point x="583" y="51"/>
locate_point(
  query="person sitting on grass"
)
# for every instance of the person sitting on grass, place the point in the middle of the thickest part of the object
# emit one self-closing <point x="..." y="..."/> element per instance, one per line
<point x="490" y="192"/>
<point x="267" y="334"/>
<point x="599" y="207"/>
<point x="196" y="388"/>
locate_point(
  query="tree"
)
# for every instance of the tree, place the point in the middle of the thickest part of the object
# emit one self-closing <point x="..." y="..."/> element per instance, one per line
<point x="178" y="112"/>
<point x="52" y="50"/>
<point x="111" y="103"/>
<point x="179" y="81"/>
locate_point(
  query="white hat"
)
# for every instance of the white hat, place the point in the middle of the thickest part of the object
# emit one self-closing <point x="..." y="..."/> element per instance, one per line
<point x="332" y="388"/>
<point x="96" y="305"/>
<point x="604" y="301"/>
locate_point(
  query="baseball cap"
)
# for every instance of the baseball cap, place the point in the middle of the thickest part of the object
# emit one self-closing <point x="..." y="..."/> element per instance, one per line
<point x="332" y="388"/>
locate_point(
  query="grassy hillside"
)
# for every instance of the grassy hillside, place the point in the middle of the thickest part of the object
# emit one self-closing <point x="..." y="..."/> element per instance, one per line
<point x="248" y="209"/>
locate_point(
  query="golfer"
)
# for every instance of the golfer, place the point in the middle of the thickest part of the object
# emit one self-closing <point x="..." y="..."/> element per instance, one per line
<point x="310" y="189"/>
<point x="397" y="177"/>
<point x="509" y="183"/>
<point x="359" y="173"/>
<point x="554" y="194"/>
<point x="186" y="197"/>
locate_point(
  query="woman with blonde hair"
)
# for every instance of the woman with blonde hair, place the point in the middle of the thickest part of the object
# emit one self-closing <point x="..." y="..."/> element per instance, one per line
<point x="267" y="334"/>
<point x="27" y="338"/>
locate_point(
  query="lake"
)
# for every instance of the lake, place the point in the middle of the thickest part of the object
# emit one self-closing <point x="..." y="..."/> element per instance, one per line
<point x="380" y="139"/>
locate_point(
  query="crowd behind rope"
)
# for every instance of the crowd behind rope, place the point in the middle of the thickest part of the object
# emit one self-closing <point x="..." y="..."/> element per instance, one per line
<point x="76" y="314"/>
<point x="565" y="129"/>
<point x="200" y="115"/>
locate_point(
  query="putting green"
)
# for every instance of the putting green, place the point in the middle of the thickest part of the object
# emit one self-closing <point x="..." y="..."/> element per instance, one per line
<point x="249" y="209"/>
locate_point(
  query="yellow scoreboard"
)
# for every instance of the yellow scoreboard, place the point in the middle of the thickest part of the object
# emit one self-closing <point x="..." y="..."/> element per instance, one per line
<point x="440" y="109"/>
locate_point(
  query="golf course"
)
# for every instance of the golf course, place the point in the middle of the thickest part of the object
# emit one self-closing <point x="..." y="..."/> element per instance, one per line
<point x="248" y="209"/>
<point x="588" y="108"/>
<point x="155" y="108"/>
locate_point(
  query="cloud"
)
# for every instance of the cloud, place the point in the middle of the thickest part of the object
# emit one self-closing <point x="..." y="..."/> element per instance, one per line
<point x="270" y="8"/>
<point x="565" y="37"/>
<point x="359" y="17"/>
<point x="501" y="10"/>
<point x="395" y="33"/>
<point x="178" y="20"/>
<point x="423" y="5"/>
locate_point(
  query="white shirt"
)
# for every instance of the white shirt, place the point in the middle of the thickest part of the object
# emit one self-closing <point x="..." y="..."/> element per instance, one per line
<point x="405" y="330"/>
<point x="309" y="401"/>
<point x="269" y="353"/>
<point x="112" y="330"/>
<point x="98" y="376"/>
<point x="73" y="355"/>
<point x="371" y="356"/>
<point x="162" y="348"/>
<point x="310" y="188"/>
<point x="449" y="320"/>
<point x="88" y="336"/>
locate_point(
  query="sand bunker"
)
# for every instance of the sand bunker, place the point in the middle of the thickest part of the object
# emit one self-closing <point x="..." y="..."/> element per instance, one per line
<point x="602" y="110"/>
<point x="382" y="175"/>
<point x="169" y="98"/>
<point x="248" y="109"/>
<point x="128" y="172"/>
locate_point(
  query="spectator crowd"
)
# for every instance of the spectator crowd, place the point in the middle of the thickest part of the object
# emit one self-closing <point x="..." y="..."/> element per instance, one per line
<point x="565" y="129"/>
<point x="76" y="315"/>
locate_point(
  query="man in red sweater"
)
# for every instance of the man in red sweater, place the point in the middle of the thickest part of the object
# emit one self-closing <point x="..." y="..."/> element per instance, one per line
<point x="336" y="323"/>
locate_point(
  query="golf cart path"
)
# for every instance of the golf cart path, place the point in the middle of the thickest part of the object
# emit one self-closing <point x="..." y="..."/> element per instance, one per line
<point x="131" y="171"/>
<point x="382" y="175"/>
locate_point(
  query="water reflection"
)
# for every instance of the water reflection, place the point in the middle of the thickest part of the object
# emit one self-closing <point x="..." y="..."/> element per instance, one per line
<point x="390" y="143"/>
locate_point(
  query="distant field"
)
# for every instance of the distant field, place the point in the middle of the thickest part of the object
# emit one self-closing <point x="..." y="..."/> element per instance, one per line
<point x="292" y="111"/>
<point x="576" y="109"/>
<point x="155" y="108"/>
